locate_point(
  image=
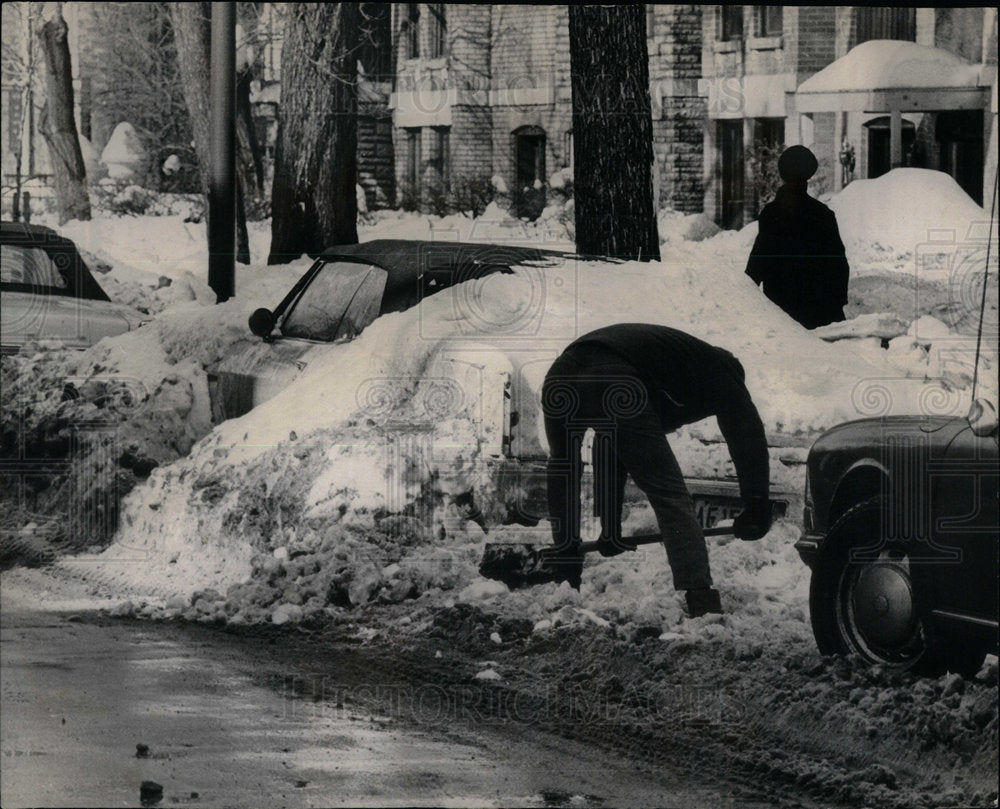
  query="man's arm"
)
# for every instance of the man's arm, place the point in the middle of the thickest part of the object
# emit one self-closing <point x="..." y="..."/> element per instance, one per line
<point x="743" y="430"/>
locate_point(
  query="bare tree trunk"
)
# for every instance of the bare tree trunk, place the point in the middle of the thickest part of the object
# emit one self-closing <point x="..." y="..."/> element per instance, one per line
<point x="313" y="202"/>
<point x="612" y="132"/>
<point x="193" y="34"/>
<point x="58" y="126"/>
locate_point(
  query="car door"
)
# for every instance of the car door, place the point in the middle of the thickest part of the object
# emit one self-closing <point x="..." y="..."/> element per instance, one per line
<point x="965" y="518"/>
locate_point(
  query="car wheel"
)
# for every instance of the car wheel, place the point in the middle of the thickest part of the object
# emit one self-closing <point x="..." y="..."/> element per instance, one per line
<point x="862" y="599"/>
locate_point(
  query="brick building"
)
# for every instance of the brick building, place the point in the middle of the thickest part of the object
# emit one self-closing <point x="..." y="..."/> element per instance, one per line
<point x="483" y="91"/>
<point x="759" y="63"/>
<point x="457" y="99"/>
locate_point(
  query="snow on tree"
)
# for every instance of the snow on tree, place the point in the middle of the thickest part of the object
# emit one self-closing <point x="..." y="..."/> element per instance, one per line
<point x="612" y="132"/>
<point x="315" y="167"/>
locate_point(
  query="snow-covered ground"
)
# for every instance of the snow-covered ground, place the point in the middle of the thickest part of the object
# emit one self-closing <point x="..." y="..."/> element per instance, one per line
<point x="340" y="495"/>
<point x="310" y="472"/>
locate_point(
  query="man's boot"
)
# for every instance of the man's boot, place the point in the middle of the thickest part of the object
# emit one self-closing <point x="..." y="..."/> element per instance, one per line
<point x="566" y="564"/>
<point x="703" y="601"/>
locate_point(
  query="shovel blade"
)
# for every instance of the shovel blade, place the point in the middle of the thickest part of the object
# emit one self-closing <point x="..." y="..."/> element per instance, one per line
<point x="514" y="565"/>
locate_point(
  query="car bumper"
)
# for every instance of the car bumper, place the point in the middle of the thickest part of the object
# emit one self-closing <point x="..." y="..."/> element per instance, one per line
<point x="808" y="546"/>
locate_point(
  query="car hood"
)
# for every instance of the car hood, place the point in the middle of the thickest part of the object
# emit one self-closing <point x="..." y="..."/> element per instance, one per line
<point x="76" y="322"/>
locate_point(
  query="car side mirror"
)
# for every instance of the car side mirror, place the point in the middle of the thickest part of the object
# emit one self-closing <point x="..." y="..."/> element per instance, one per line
<point x="983" y="417"/>
<point x="262" y="322"/>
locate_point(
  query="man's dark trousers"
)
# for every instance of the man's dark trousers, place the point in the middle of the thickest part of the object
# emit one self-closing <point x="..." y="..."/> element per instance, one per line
<point x="589" y="386"/>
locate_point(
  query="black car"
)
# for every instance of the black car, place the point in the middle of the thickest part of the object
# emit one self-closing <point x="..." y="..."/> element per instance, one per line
<point x="901" y="531"/>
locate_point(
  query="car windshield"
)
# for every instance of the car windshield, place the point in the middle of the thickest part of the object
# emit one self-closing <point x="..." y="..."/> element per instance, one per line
<point x="343" y="298"/>
<point x="30" y="266"/>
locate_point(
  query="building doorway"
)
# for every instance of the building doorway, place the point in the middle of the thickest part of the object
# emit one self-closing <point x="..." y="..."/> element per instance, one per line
<point x="960" y="145"/>
<point x="879" y="146"/>
<point x="529" y="171"/>
<point x="733" y="182"/>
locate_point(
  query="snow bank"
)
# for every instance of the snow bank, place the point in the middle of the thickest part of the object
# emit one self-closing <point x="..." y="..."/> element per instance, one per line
<point x="904" y="214"/>
<point x="347" y="487"/>
<point x="381" y="427"/>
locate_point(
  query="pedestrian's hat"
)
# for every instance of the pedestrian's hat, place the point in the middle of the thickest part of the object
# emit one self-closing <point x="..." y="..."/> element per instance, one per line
<point x="797" y="163"/>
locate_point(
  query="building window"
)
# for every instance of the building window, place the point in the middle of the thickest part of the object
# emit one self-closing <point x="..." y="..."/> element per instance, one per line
<point x="529" y="171"/>
<point x="413" y="30"/>
<point x="440" y="159"/>
<point x="411" y="192"/>
<point x="438" y="30"/>
<point x="730" y="23"/>
<point x="886" y="23"/>
<point x="768" y="21"/>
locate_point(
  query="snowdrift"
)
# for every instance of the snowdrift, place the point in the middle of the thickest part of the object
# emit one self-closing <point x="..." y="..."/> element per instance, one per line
<point x="300" y="503"/>
<point x="906" y="214"/>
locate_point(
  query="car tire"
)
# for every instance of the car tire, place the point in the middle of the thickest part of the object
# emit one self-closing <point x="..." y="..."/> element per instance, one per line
<point x="862" y="599"/>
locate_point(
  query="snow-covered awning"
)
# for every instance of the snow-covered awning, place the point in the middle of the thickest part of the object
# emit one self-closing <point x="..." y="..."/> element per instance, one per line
<point x="883" y="75"/>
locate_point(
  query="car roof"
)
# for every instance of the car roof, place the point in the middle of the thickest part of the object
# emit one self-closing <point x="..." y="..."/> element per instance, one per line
<point x="406" y="260"/>
<point x="76" y="273"/>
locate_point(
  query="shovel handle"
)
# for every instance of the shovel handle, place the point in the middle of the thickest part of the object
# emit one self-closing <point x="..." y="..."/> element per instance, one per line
<point x="649" y="539"/>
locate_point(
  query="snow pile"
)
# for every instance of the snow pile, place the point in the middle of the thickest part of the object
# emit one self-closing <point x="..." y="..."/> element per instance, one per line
<point x="903" y="214"/>
<point x="399" y="427"/>
<point x="124" y="154"/>
<point x="674" y="226"/>
<point x="552" y="230"/>
<point x="134" y="401"/>
<point x="397" y="424"/>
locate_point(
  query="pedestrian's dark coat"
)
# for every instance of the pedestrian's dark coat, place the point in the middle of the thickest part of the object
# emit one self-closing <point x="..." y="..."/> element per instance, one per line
<point x="800" y="259"/>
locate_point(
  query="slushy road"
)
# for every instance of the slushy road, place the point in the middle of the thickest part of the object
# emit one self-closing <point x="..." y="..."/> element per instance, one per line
<point x="223" y="728"/>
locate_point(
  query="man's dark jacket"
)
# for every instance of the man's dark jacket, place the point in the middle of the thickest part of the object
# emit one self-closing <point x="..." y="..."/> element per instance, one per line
<point x="799" y="257"/>
<point x="689" y="380"/>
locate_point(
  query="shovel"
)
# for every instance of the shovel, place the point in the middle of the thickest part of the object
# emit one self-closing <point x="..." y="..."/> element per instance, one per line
<point x="521" y="564"/>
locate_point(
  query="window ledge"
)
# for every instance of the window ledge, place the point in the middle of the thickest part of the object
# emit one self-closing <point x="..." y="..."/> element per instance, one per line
<point x="765" y="43"/>
<point x="727" y="45"/>
<point x="426" y="62"/>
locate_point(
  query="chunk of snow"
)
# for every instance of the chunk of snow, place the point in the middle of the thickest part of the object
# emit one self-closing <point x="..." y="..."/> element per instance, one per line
<point x="486" y="674"/>
<point x="889" y="64"/>
<point x="926" y="329"/>
<point x="884" y="325"/>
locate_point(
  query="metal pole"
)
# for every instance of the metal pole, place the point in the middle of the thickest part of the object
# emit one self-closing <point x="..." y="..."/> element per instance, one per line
<point x="222" y="185"/>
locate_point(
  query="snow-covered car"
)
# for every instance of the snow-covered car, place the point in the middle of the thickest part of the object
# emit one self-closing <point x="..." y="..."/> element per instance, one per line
<point x="346" y="288"/>
<point x="901" y="531"/>
<point x="48" y="293"/>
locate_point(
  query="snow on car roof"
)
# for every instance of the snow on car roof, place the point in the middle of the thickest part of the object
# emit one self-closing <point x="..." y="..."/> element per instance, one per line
<point x="411" y="256"/>
<point x="406" y="260"/>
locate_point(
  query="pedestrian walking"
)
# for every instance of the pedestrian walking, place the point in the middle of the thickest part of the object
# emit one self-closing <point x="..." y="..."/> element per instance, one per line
<point x="798" y="255"/>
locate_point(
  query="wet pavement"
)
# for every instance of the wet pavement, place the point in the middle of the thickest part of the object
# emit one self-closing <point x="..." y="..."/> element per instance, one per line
<point x="78" y="696"/>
